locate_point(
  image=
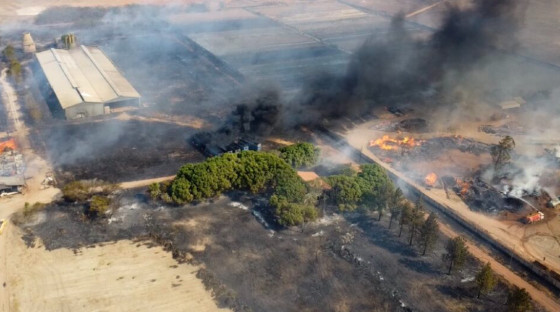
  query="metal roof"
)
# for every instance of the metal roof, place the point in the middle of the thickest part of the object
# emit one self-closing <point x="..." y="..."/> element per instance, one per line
<point x="84" y="75"/>
<point x="12" y="181"/>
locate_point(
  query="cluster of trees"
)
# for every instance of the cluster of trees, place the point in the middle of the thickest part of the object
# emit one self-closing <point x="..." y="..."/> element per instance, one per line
<point x="457" y="254"/>
<point x="249" y="170"/>
<point x="300" y="155"/>
<point x="10" y="57"/>
<point x="425" y="231"/>
<point x="370" y="189"/>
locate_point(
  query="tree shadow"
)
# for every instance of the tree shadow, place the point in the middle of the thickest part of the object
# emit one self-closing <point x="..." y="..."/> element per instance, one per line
<point x="420" y="266"/>
<point x="381" y="236"/>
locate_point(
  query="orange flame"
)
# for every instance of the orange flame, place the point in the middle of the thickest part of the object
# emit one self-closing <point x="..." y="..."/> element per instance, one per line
<point x="464" y="185"/>
<point x="431" y="179"/>
<point x="10" y="145"/>
<point x="390" y="144"/>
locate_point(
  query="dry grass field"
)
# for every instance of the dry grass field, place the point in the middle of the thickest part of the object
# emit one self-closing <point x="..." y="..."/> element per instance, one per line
<point x="121" y="276"/>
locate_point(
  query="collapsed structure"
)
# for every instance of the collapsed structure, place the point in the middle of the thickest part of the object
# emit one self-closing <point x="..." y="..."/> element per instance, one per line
<point x="82" y="82"/>
<point x="204" y="143"/>
<point x="11" y="168"/>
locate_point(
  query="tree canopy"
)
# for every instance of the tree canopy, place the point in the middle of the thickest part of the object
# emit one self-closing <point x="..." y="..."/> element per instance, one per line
<point x="485" y="280"/>
<point x="416" y="216"/>
<point x="251" y="171"/>
<point x="518" y="300"/>
<point x="396" y="205"/>
<point x="300" y="154"/>
<point x="457" y="252"/>
<point x="370" y="188"/>
<point x="99" y="205"/>
<point x="429" y="233"/>
<point x="501" y="153"/>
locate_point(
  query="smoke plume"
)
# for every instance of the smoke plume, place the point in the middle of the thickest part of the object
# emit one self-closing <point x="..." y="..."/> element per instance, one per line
<point x="437" y="72"/>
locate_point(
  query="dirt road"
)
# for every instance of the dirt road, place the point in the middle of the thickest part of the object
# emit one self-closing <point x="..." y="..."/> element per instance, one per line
<point x="36" y="167"/>
<point x="141" y="183"/>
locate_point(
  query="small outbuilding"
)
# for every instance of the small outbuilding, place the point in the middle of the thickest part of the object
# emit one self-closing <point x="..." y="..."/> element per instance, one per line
<point x="513" y="104"/>
<point x="82" y="82"/>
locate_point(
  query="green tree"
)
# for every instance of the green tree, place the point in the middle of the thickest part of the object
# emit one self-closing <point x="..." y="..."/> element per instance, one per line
<point x="345" y="192"/>
<point x="385" y="193"/>
<point x="9" y="53"/>
<point x="15" y="68"/>
<point x="501" y="153"/>
<point x="251" y="171"/>
<point x="99" y="205"/>
<point x="457" y="252"/>
<point x="429" y="233"/>
<point x="395" y="205"/>
<point x="180" y="190"/>
<point x="406" y="216"/>
<point x="300" y="155"/>
<point x="519" y="300"/>
<point x="154" y="190"/>
<point x="75" y="191"/>
<point x="416" y="218"/>
<point x="291" y="214"/>
<point x="485" y="280"/>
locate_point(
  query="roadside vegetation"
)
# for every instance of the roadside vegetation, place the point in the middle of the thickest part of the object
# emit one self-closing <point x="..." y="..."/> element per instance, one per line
<point x="95" y="194"/>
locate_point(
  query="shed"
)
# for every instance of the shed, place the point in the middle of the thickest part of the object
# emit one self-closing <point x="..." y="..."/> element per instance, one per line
<point x="84" y="82"/>
<point x="514" y="103"/>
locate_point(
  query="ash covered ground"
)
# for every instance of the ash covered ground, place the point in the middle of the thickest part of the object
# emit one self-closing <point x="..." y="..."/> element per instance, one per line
<point x="336" y="264"/>
<point x="116" y="150"/>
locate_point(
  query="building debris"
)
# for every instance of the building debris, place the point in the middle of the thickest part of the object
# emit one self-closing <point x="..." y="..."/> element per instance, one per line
<point x="12" y="167"/>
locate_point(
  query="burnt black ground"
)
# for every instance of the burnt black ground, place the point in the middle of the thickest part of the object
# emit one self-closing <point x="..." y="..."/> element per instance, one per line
<point x="116" y="150"/>
<point x="340" y="264"/>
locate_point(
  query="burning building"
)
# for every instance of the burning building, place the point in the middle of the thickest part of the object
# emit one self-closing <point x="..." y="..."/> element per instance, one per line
<point x="392" y="144"/>
<point x="82" y="82"/>
<point x="11" y="168"/>
<point x="203" y="141"/>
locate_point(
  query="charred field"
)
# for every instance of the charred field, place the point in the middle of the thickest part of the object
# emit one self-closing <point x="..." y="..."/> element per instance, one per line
<point x="340" y="263"/>
<point x="116" y="150"/>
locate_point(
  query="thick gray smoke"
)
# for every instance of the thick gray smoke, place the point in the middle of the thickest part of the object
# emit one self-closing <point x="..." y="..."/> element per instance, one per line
<point x="401" y="69"/>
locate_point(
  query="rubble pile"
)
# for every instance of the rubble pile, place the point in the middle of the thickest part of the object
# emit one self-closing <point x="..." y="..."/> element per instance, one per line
<point x="433" y="147"/>
<point x="12" y="168"/>
<point x="11" y="164"/>
<point x="412" y="125"/>
<point x="502" y="130"/>
<point x="429" y="148"/>
<point x="481" y="196"/>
